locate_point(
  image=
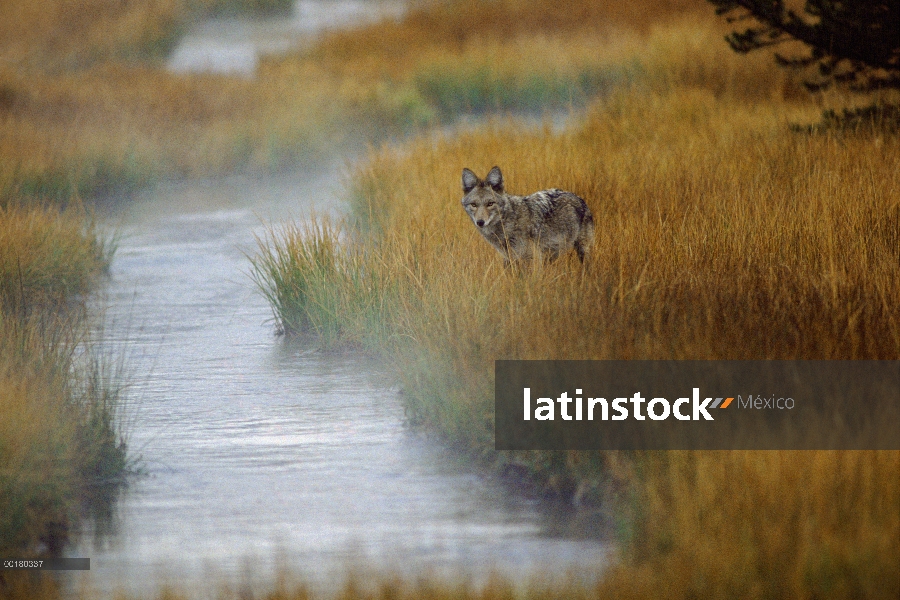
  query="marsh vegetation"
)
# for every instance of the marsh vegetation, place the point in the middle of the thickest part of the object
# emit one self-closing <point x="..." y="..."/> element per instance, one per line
<point x="726" y="229"/>
<point x="722" y="233"/>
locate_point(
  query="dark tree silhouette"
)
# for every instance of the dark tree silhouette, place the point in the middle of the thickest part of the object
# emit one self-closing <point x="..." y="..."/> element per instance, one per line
<point x="852" y="42"/>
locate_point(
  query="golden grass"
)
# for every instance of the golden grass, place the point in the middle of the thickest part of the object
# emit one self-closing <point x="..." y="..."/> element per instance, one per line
<point x="64" y="33"/>
<point x="60" y="443"/>
<point x="393" y="47"/>
<point x="710" y="215"/>
<point x="357" y="587"/>
<point x="60" y="35"/>
<point x="86" y="107"/>
<point x="721" y="234"/>
<point x="47" y="256"/>
<point x="761" y="525"/>
<point x="116" y="127"/>
<point x="39" y="476"/>
<point x="58" y="403"/>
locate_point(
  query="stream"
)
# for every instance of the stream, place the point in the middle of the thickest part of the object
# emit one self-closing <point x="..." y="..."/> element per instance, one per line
<point x="263" y="454"/>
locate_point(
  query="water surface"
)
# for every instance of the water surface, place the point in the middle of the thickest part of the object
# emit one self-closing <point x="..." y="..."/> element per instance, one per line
<point x="261" y="453"/>
<point x="264" y="453"/>
<point x="234" y="45"/>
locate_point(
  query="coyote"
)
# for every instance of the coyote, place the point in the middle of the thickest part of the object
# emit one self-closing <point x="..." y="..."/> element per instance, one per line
<point x="553" y="220"/>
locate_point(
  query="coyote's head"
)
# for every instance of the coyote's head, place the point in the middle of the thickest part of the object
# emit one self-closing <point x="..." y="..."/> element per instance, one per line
<point x="483" y="199"/>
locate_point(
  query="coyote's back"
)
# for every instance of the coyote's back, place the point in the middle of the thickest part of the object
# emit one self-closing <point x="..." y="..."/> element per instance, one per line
<point x="552" y="220"/>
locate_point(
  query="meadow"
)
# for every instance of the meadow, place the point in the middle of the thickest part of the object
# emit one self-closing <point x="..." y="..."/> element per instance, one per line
<point x="726" y="229"/>
<point x="89" y="109"/>
<point x="700" y="254"/>
<point x="729" y="226"/>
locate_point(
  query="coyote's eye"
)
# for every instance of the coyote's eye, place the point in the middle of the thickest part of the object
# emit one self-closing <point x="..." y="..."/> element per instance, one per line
<point x="490" y="204"/>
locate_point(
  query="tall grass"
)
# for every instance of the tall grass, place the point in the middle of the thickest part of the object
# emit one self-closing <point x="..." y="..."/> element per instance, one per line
<point x="119" y="128"/>
<point x="87" y="107"/>
<point x="72" y="34"/>
<point x="722" y="233"/>
<point x="48" y="256"/>
<point x="60" y="438"/>
<point x="761" y="525"/>
<point x="357" y="586"/>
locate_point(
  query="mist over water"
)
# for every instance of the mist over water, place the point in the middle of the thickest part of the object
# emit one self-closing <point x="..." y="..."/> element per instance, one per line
<point x="234" y="45"/>
<point x="264" y="453"/>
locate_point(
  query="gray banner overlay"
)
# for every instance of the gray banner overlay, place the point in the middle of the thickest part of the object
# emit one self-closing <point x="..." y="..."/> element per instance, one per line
<point x="697" y="405"/>
<point x="49" y="564"/>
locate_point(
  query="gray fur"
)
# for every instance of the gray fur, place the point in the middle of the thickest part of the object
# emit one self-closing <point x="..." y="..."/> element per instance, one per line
<point x="552" y="220"/>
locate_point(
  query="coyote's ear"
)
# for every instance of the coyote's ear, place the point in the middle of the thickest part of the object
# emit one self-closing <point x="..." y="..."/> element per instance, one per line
<point x="469" y="181"/>
<point x="495" y="180"/>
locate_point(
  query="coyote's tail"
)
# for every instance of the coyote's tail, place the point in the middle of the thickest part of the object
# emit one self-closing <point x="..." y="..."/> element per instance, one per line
<point x="585" y="239"/>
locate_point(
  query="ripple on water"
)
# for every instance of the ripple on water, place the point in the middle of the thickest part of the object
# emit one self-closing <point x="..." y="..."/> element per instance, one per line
<point x="258" y="449"/>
